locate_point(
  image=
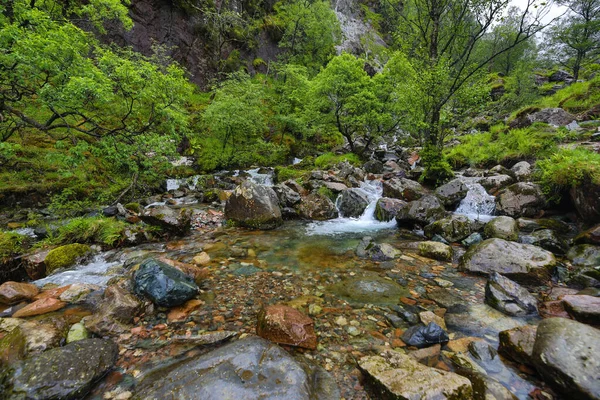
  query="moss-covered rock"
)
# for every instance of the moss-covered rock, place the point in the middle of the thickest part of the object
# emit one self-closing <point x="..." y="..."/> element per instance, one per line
<point x="436" y="251"/>
<point x="66" y="256"/>
<point x="134" y="207"/>
<point x="503" y="228"/>
<point x="453" y="228"/>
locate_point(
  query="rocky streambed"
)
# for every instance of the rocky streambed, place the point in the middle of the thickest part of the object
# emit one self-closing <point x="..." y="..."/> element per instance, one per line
<point x="393" y="291"/>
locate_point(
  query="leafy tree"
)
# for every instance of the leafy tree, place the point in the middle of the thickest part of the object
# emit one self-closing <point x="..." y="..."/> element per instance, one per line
<point x="575" y="39"/>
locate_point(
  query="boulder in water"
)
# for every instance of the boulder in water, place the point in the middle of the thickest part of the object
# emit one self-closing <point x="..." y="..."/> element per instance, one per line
<point x="163" y="284"/>
<point x="507" y="296"/>
<point x="425" y="335"/>
<point x="452" y="192"/>
<point x="403" y="189"/>
<point x="367" y="248"/>
<point x="453" y="228"/>
<point x="369" y="290"/>
<point x="253" y="206"/>
<point x="178" y="222"/>
<point x="435" y="250"/>
<point x="63" y="373"/>
<point x="15" y="292"/>
<point x="520" y="262"/>
<point x="520" y="200"/>
<point x="421" y="212"/>
<point x="503" y="228"/>
<point x="286" y="195"/>
<point x="286" y="325"/>
<point x="386" y="209"/>
<point x="583" y="308"/>
<point x="565" y="354"/>
<point x="116" y="311"/>
<point x="352" y="203"/>
<point x="517" y="343"/>
<point x="251" y="368"/>
<point x="317" y="207"/>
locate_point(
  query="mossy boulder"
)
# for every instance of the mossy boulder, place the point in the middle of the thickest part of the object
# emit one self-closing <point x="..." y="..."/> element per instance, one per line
<point x="66" y="256"/>
<point x="584" y="255"/>
<point x="133" y="207"/>
<point x="503" y="228"/>
<point x="421" y="212"/>
<point x="436" y="251"/>
<point x="317" y="207"/>
<point x="453" y="228"/>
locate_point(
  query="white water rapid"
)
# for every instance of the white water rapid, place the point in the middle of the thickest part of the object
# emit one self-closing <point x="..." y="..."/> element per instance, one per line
<point x="95" y="272"/>
<point x="478" y="205"/>
<point x="365" y="223"/>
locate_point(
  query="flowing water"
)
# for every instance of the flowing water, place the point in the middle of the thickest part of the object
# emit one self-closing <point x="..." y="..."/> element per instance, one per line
<point x="96" y="272"/>
<point x="478" y="205"/>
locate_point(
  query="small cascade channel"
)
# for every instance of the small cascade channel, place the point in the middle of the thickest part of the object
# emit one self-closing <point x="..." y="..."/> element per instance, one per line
<point x="96" y="272"/>
<point x="478" y="205"/>
<point x="365" y="223"/>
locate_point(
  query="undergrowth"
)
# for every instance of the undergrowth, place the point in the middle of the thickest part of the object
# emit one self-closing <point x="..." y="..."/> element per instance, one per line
<point x="98" y="230"/>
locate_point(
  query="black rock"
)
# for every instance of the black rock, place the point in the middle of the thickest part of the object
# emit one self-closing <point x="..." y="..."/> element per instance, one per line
<point x="163" y="284"/>
<point x="422" y="336"/>
<point x="110" y="211"/>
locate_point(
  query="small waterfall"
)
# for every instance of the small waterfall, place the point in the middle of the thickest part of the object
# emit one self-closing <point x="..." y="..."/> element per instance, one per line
<point x="190" y="183"/>
<point x="259" y="178"/>
<point x="478" y="204"/>
<point x="366" y="222"/>
<point x="296" y="160"/>
<point x="95" y="272"/>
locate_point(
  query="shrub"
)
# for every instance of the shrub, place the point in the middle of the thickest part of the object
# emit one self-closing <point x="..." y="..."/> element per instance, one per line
<point x="11" y="244"/>
<point x="328" y="160"/>
<point x="437" y="169"/>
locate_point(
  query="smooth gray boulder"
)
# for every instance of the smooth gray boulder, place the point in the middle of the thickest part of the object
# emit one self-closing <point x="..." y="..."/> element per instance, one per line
<point x="403" y="189"/>
<point x="172" y="220"/>
<point x="452" y="193"/>
<point x="63" y="373"/>
<point x="565" y="354"/>
<point x="522" y="263"/>
<point x="251" y="368"/>
<point x="522" y="170"/>
<point x="502" y="227"/>
<point x="352" y="203"/>
<point x="422" y="212"/>
<point x="523" y="199"/>
<point x="253" y="206"/>
<point x="507" y="296"/>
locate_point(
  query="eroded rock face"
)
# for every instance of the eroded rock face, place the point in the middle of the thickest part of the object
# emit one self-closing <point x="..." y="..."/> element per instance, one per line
<point x="253" y="206"/>
<point x="520" y="262"/>
<point x="317" y="207"/>
<point x="507" y="296"/>
<point x="63" y="373"/>
<point x="520" y="200"/>
<point x="394" y="375"/>
<point x="251" y="368"/>
<point x="164" y="285"/>
<point x="286" y="325"/>
<point x="565" y="354"/>
<point x="352" y="203"/>
<point x="172" y="220"/>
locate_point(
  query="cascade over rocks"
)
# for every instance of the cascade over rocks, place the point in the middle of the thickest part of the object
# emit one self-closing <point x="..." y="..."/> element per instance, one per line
<point x="522" y="263"/>
<point x="253" y="206"/>
<point x="352" y="203"/>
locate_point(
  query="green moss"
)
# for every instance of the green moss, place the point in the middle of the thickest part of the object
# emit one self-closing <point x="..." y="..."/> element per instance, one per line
<point x="326" y="192"/>
<point x="65" y="256"/>
<point x="328" y="160"/>
<point x="99" y="230"/>
<point x="11" y="244"/>
<point x="282" y="174"/>
<point x="135" y="207"/>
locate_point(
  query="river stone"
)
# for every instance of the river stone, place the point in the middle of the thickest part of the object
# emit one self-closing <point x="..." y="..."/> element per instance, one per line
<point x="435" y="250"/>
<point x="590" y="236"/>
<point x="176" y="221"/>
<point x="486" y="387"/>
<point x="367" y="248"/>
<point x="403" y="189"/>
<point x="286" y="325"/>
<point x="117" y="309"/>
<point x="317" y="207"/>
<point x="352" y="203"/>
<point x="503" y="228"/>
<point x="14" y="292"/>
<point x="39" y="307"/>
<point x="251" y="368"/>
<point x="480" y="319"/>
<point x="565" y="354"/>
<point x="583" y="308"/>
<point x="369" y="290"/>
<point x="386" y="209"/>
<point x="522" y="170"/>
<point x="584" y="255"/>
<point x="421" y="212"/>
<point x="394" y="375"/>
<point x="163" y="284"/>
<point x="12" y="348"/>
<point x="253" y="206"/>
<point x="507" y="296"/>
<point x="546" y="239"/>
<point x="472" y="240"/>
<point x="425" y="335"/>
<point x="522" y="263"/>
<point x="452" y="192"/>
<point x="77" y="332"/>
<point x="453" y="228"/>
<point x="527" y="225"/>
<point x="517" y="343"/>
<point x="39" y="336"/>
<point x="496" y="182"/>
<point x="287" y="196"/>
<point x="520" y="200"/>
<point x="65" y="372"/>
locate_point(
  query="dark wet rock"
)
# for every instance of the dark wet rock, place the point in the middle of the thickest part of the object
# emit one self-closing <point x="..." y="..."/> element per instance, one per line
<point x="386" y="209"/>
<point x="485" y="387"/>
<point x="583" y="308"/>
<point x="584" y="255"/>
<point x="561" y="76"/>
<point x="453" y="228"/>
<point x="421" y="212"/>
<point x="552" y="116"/>
<point x="586" y="198"/>
<point x="496" y="182"/>
<point x="502" y="228"/>
<point x="14" y="292"/>
<point x="522" y="171"/>
<point x="527" y="225"/>
<point x="317" y="207"/>
<point x="452" y="192"/>
<point x="394" y="375"/>
<point x="403" y="189"/>
<point x="517" y="343"/>
<point x="352" y="203"/>
<point x="253" y="206"/>
<point x="251" y="368"/>
<point x="435" y="250"/>
<point x="520" y="200"/>
<point x="367" y="248"/>
<point x="163" y="284"/>
<point x="425" y="335"/>
<point x="522" y="263"/>
<point x="472" y="239"/>
<point x="395" y="320"/>
<point x="116" y="311"/>
<point x="507" y="296"/>
<point x="407" y="315"/>
<point x="589" y="236"/>
<point x="63" y="373"/>
<point x="546" y="239"/>
<point x="177" y="221"/>
<point x="369" y="290"/>
<point x="448" y="300"/>
<point x="565" y="354"/>
<point x="286" y="195"/>
<point x="286" y="325"/>
<point x="373" y="167"/>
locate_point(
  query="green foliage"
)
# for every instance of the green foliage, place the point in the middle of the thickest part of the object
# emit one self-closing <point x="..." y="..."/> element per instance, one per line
<point x="488" y="149"/>
<point x="575" y="98"/>
<point x="282" y="174"/>
<point x="11" y="244"/>
<point x="437" y="169"/>
<point x="567" y="168"/>
<point x="98" y="230"/>
<point x="326" y="192"/>
<point x="67" y="203"/>
<point x="328" y="160"/>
